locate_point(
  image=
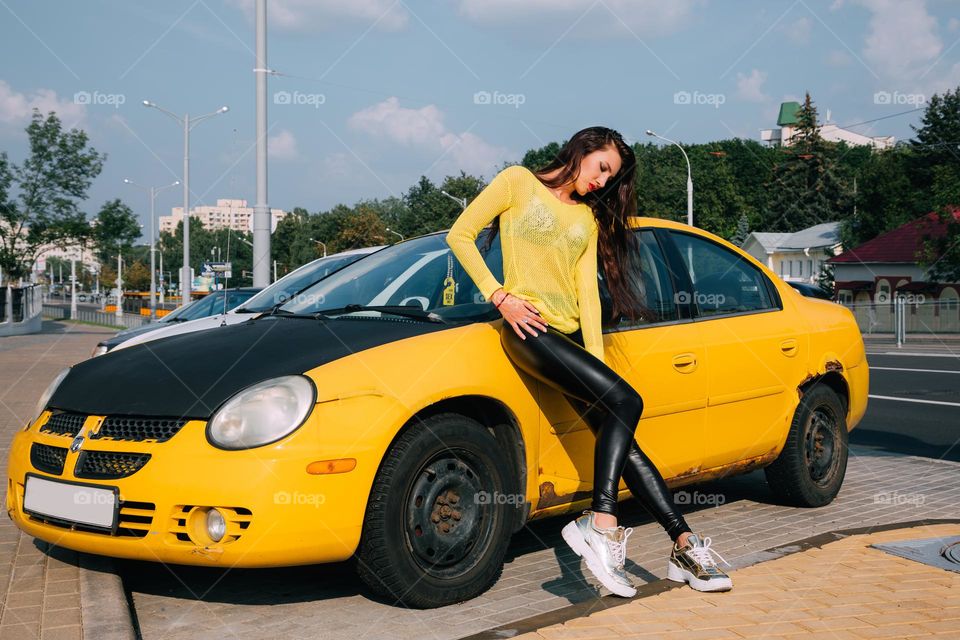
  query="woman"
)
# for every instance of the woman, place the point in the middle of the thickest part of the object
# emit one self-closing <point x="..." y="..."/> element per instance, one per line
<point x="554" y="224"/>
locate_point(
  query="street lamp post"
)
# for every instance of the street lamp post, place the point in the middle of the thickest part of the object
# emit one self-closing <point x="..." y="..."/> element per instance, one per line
<point x="321" y="243"/>
<point x="395" y="233"/>
<point x="689" y="175"/>
<point x="188" y="124"/>
<point x="153" y="191"/>
<point x="461" y="201"/>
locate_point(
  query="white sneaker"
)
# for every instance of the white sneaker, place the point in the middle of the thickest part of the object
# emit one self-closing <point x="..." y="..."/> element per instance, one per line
<point x="694" y="564"/>
<point x="604" y="551"/>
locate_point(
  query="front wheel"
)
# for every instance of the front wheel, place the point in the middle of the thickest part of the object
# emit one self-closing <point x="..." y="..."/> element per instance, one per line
<point x="810" y="469"/>
<point x="440" y="515"/>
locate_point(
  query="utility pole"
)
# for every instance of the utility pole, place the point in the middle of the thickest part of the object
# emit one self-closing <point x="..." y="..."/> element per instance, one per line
<point x="261" y="210"/>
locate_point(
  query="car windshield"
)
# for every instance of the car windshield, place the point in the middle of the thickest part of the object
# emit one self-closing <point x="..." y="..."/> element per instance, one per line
<point x="422" y="273"/>
<point x="212" y="304"/>
<point x="284" y="288"/>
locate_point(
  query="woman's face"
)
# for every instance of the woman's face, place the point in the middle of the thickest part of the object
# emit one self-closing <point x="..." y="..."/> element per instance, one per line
<point x="596" y="168"/>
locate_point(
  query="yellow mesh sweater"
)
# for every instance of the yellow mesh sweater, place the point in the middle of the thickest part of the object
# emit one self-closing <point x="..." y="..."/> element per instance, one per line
<point x="549" y="251"/>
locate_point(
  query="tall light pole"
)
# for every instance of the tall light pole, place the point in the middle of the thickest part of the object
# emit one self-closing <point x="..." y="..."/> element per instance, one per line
<point x="261" y="210"/>
<point x="320" y="243"/>
<point x="461" y="201"/>
<point x="188" y="124"/>
<point x="689" y="175"/>
<point x="153" y="191"/>
<point x="395" y="233"/>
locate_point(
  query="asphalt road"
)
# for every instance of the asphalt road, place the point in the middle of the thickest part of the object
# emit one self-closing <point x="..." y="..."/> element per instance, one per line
<point x="914" y="405"/>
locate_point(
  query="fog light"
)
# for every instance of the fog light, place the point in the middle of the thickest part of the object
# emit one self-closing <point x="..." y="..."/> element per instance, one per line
<point x="216" y="525"/>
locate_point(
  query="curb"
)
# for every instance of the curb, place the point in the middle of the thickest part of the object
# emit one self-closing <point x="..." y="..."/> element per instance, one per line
<point x="104" y="609"/>
<point x="656" y="587"/>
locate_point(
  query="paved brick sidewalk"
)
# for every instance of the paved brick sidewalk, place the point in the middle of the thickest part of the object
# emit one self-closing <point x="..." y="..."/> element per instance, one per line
<point x="541" y="574"/>
<point x="39" y="587"/>
<point x="843" y="590"/>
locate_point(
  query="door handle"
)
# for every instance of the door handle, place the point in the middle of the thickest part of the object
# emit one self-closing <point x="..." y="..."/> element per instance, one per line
<point x="685" y="362"/>
<point x="789" y="347"/>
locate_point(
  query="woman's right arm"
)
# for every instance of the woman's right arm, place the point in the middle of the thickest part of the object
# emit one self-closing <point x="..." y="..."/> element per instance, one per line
<point x="462" y="237"/>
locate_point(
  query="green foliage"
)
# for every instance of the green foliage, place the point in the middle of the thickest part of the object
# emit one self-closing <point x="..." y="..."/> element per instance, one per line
<point x="51" y="181"/>
<point x="805" y="186"/>
<point x="115" y="228"/>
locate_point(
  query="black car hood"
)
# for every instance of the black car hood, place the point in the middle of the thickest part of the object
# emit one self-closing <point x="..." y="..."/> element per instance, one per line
<point x="190" y="375"/>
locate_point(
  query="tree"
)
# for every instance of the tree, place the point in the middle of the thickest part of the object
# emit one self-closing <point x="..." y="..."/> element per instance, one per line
<point x="136" y="277"/>
<point x="51" y="181"/>
<point x="115" y="229"/>
<point x="743" y="230"/>
<point x="805" y="188"/>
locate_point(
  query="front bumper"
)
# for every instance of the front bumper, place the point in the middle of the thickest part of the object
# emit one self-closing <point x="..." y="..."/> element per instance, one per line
<point x="277" y="514"/>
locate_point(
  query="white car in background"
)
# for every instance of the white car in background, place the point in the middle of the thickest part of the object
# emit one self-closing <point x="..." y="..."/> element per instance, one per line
<point x="277" y="293"/>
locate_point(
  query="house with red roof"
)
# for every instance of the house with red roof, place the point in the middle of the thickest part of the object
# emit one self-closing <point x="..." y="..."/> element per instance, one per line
<point x="869" y="277"/>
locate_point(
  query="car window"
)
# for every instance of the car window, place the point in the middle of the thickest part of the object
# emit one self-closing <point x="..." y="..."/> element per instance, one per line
<point x="416" y="273"/>
<point x="649" y="278"/>
<point x="723" y="281"/>
<point x="297" y="280"/>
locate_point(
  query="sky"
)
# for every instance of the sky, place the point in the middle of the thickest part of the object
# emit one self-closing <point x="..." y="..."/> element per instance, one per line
<point x="368" y="95"/>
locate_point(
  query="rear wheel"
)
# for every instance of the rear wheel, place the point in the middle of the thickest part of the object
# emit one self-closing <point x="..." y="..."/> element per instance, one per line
<point x="440" y="515"/>
<point x="810" y="469"/>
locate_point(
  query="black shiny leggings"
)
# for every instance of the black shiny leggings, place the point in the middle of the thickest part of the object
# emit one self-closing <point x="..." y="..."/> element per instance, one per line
<point x="560" y="361"/>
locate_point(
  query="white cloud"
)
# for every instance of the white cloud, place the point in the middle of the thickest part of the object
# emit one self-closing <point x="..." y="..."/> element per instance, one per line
<point x="282" y="146"/>
<point x="16" y="108"/>
<point x="424" y="129"/>
<point x="902" y="40"/>
<point x="798" y="31"/>
<point x="838" y="58"/>
<point x="326" y="15"/>
<point x="642" y="17"/>
<point x="750" y="88"/>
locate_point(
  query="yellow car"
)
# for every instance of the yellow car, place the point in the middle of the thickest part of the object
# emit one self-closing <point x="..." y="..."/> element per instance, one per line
<point x="375" y="416"/>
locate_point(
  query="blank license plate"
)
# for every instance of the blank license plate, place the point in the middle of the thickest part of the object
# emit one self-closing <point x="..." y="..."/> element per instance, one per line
<point x="75" y="503"/>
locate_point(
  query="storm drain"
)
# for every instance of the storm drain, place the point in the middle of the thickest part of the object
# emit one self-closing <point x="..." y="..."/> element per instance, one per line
<point x="942" y="553"/>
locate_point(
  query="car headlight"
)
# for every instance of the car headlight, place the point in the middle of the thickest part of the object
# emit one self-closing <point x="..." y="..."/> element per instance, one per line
<point x="262" y="413"/>
<point x="51" y="388"/>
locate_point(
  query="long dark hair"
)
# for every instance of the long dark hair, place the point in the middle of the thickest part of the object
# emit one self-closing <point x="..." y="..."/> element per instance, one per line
<point x="611" y="205"/>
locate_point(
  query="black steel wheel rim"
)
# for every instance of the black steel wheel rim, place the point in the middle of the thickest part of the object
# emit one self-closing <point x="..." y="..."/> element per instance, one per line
<point x="821" y="445"/>
<point x="449" y="513"/>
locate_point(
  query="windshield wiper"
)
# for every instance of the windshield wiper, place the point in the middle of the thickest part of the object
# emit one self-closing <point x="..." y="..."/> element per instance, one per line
<point x="394" y="309"/>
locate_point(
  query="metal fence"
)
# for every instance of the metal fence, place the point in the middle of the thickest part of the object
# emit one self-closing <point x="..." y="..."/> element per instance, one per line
<point x="906" y="315"/>
<point x="126" y="321"/>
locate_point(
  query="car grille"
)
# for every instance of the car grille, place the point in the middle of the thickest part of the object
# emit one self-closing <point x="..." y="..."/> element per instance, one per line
<point x="48" y="459"/>
<point x="64" y="424"/>
<point x="138" y="429"/>
<point x="109" y="465"/>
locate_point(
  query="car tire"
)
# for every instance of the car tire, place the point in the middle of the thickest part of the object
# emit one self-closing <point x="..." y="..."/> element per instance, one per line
<point x="810" y="469"/>
<point x="436" y="530"/>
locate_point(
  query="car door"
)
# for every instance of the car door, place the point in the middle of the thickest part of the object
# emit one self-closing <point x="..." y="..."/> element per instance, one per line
<point x="756" y="350"/>
<point x="661" y="357"/>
